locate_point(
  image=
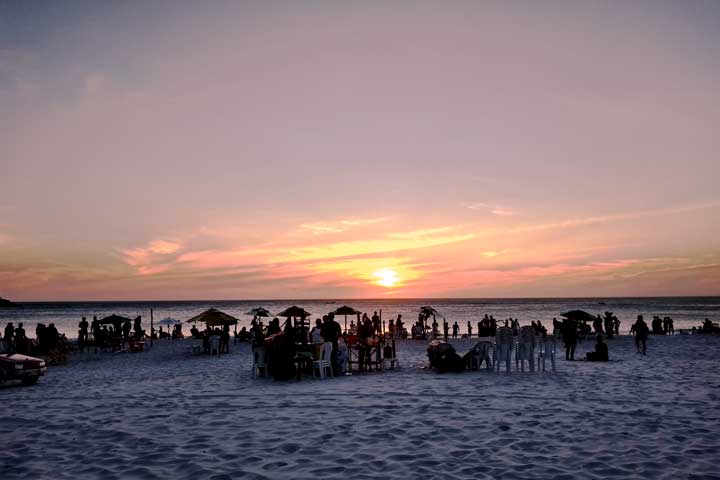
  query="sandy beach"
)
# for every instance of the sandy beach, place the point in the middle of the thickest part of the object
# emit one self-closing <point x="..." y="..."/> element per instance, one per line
<point x="166" y="414"/>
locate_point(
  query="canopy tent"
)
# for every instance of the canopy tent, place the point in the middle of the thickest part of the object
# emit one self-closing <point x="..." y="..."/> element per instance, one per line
<point x="345" y="310"/>
<point x="578" y="315"/>
<point x="114" y="320"/>
<point x="214" y="318"/>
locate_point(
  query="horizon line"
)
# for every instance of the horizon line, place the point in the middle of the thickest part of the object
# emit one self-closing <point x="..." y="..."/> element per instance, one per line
<point x="290" y="300"/>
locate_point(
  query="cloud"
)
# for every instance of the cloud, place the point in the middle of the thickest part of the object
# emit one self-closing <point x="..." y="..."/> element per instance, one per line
<point x="156" y="257"/>
<point x="494" y="209"/>
<point x="339" y="226"/>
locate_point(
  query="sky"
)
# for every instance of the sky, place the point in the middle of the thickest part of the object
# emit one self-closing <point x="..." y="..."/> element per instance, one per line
<point x="334" y="149"/>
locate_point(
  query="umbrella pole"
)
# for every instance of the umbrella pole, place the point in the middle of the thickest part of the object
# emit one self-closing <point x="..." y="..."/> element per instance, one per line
<point x="346" y="324"/>
<point x="151" y="327"/>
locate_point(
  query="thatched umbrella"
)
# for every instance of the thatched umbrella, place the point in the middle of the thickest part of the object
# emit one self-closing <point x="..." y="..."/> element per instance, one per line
<point x="214" y="318"/>
<point x="294" y="312"/>
<point x="345" y="310"/>
<point x="428" y="311"/>
<point x="113" y="320"/>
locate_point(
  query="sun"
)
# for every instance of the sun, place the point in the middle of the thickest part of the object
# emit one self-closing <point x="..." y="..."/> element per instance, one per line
<point x="387" y="277"/>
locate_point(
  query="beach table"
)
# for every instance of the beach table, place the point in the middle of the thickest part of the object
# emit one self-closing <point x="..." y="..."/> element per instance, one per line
<point x="354" y="349"/>
<point x="305" y="354"/>
<point x="136" y="346"/>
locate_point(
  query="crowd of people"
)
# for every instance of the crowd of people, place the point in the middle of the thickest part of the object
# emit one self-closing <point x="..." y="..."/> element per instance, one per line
<point x="48" y="342"/>
<point x="108" y="336"/>
<point x="206" y="335"/>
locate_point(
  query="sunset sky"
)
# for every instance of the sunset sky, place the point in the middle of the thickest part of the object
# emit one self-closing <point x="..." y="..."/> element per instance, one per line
<point x="331" y="149"/>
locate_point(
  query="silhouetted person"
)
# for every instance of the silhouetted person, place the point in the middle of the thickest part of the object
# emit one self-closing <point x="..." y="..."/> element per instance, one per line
<point x="446" y="329"/>
<point x="641" y="334"/>
<point x="598" y="325"/>
<point x="82" y="333"/>
<point x="365" y="333"/>
<point x="376" y="323"/>
<point x="126" y="329"/>
<point x="469" y="329"/>
<point x="20" y="339"/>
<point x="9" y="335"/>
<point x="569" y="333"/>
<point x="455" y="329"/>
<point x="601" y="351"/>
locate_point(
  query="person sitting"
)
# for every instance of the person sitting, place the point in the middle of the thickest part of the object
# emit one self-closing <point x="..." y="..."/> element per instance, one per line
<point x="601" y="351"/>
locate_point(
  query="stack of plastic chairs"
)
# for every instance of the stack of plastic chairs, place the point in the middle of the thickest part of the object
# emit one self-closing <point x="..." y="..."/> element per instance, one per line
<point x="215" y="344"/>
<point x="259" y="364"/>
<point x="547" y="350"/>
<point x="503" y="348"/>
<point x="525" y="350"/>
<point x="323" y="365"/>
<point x="482" y="352"/>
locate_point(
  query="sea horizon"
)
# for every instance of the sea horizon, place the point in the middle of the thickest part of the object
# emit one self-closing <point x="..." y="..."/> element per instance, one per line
<point x="328" y="299"/>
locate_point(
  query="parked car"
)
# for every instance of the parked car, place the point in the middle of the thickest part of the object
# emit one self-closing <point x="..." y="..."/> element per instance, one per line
<point x="15" y="367"/>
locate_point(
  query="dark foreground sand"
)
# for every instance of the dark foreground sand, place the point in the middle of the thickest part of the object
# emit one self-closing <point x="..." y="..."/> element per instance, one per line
<point x="166" y="414"/>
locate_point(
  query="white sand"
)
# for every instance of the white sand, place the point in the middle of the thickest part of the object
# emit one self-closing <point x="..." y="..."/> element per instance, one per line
<point x="166" y="414"/>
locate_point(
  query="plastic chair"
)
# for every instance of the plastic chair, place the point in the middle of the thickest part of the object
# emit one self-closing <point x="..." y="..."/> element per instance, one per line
<point x="525" y="350"/>
<point x="482" y="352"/>
<point x="215" y="345"/>
<point x="547" y="350"/>
<point x="392" y="358"/>
<point x="503" y="348"/>
<point x="323" y="364"/>
<point x="259" y="365"/>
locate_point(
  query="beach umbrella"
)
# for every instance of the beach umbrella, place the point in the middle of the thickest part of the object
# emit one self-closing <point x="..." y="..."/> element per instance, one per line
<point x="213" y="318"/>
<point x="169" y="321"/>
<point x="578" y="315"/>
<point x="259" y="312"/>
<point x="345" y="310"/>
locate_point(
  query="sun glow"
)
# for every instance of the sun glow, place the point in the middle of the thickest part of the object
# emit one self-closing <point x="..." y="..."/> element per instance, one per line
<point x="387" y="277"/>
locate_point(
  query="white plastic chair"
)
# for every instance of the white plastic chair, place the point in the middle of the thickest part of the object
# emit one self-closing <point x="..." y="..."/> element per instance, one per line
<point x="503" y="348"/>
<point x="525" y="350"/>
<point x="547" y="350"/>
<point x="195" y="348"/>
<point x="482" y="352"/>
<point x="323" y="364"/>
<point x="259" y="367"/>
<point x="215" y="344"/>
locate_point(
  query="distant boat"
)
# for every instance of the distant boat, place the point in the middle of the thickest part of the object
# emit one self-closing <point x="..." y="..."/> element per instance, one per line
<point x="601" y="303"/>
<point x="4" y="302"/>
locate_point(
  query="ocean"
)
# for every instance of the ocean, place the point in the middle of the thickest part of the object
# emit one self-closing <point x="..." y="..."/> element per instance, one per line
<point x="685" y="311"/>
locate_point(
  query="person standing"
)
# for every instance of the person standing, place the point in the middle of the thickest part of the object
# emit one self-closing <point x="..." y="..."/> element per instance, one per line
<point x="455" y="329"/>
<point x="569" y="332"/>
<point x="376" y="323"/>
<point x="446" y="329"/>
<point x="20" y="339"/>
<point x="641" y="334"/>
<point x="469" y="329"/>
